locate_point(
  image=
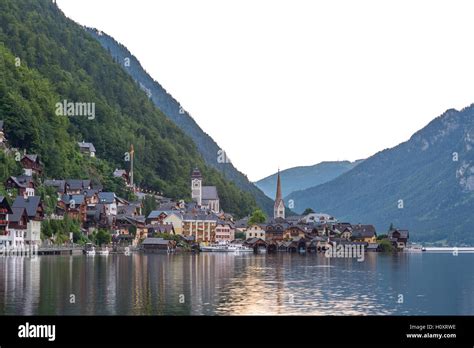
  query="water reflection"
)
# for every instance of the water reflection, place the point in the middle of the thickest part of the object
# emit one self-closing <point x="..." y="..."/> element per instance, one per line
<point x="237" y="284"/>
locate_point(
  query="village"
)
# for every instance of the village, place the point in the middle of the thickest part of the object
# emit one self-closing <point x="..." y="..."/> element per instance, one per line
<point x="172" y="226"/>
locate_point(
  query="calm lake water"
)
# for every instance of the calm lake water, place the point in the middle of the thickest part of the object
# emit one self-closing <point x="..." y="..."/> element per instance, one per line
<point x="238" y="284"/>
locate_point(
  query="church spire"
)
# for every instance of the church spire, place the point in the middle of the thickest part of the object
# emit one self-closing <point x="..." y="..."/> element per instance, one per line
<point x="278" y="194"/>
<point x="279" y="207"/>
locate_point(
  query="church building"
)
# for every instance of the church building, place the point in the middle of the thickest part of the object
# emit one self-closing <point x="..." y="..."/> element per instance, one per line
<point x="204" y="196"/>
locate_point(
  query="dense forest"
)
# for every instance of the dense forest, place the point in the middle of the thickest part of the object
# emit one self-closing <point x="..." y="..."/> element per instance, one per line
<point x="45" y="58"/>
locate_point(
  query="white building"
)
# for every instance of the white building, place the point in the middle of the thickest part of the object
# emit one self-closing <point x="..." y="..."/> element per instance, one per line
<point x="319" y="218"/>
<point x="35" y="211"/>
<point x="255" y="231"/>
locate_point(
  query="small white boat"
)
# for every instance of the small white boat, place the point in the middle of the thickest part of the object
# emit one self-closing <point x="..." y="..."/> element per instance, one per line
<point x="225" y="248"/>
<point x="415" y="248"/>
<point x="103" y="252"/>
<point x="239" y="248"/>
<point x="90" y="252"/>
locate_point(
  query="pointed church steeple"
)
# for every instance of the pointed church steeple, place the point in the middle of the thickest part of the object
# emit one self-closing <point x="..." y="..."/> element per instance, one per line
<point x="278" y="195"/>
<point x="279" y="207"/>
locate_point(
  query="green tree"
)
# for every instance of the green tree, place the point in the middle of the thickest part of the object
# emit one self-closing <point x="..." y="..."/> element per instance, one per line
<point x="258" y="217"/>
<point x="308" y="211"/>
<point x="102" y="237"/>
<point x="386" y="245"/>
<point x="149" y="204"/>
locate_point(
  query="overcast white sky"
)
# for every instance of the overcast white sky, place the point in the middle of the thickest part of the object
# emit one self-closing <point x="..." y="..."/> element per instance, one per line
<point x="283" y="83"/>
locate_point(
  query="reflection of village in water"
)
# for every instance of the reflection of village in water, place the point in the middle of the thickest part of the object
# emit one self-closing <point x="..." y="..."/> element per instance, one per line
<point x="213" y="283"/>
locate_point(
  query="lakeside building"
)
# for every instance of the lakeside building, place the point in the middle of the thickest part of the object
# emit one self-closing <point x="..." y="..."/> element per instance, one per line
<point x="173" y="217"/>
<point x="34" y="209"/>
<point x="225" y="232"/>
<point x="200" y="226"/>
<point x="18" y="223"/>
<point x="255" y="231"/>
<point x="364" y="233"/>
<point x="5" y="210"/>
<point x="399" y="238"/>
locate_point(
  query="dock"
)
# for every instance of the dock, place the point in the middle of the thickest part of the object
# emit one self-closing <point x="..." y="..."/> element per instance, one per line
<point x="60" y="250"/>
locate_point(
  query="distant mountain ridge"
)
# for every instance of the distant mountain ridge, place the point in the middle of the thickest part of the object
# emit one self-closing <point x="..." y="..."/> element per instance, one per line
<point x="425" y="184"/>
<point x="300" y="178"/>
<point x="207" y="147"/>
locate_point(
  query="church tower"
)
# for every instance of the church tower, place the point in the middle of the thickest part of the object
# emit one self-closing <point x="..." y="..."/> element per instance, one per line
<point x="196" y="186"/>
<point x="279" y="207"/>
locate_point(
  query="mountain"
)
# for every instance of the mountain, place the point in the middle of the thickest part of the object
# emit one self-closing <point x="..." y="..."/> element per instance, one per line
<point x="46" y="59"/>
<point x="300" y="178"/>
<point x="206" y="146"/>
<point x="425" y="184"/>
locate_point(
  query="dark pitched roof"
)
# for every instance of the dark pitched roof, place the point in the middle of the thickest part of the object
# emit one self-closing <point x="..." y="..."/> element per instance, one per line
<point x="155" y="241"/>
<point x="77" y="199"/>
<point x="32" y="158"/>
<point x="209" y="193"/>
<point x="363" y="231"/>
<point x="22" y="180"/>
<point x="403" y="233"/>
<point x="107" y="197"/>
<point x="75" y="184"/>
<point x="59" y="184"/>
<point x="162" y="228"/>
<point x="87" y="146"/>
<point x="17" y="214"/>
<point x="242" y="223"/>
<point x="90" y="192"/>
<point x="31" y="204"/>
<point x="202" y="217"/>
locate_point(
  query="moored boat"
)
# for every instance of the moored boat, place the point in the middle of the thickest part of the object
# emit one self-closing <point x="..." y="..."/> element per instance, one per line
<point x="103" y="252"/>
<point x="225" y="248"/>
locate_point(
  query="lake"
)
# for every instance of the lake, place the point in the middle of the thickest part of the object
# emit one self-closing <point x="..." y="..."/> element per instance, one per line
<point x="238" y="284"/>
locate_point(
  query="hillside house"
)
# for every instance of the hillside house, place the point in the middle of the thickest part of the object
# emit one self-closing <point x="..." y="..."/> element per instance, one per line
<point x="24" y="185"/>
<point x="31" y="165"/>
<point x="87" y="149"/>
<point x="5" y="211"/>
